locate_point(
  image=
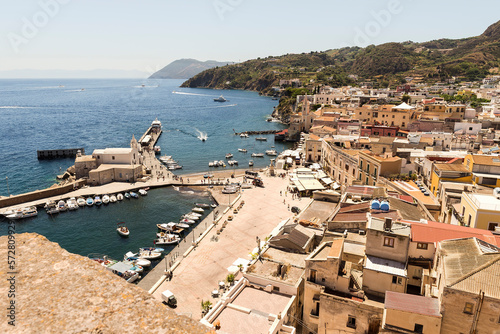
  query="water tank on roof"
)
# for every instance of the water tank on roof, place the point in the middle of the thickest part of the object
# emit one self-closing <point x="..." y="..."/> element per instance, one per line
<point x="375" y="205"/>
<point x="384" y="206"/>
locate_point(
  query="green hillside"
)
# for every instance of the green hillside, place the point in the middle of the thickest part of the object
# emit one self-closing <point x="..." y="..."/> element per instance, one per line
<point x="386" y="64"/>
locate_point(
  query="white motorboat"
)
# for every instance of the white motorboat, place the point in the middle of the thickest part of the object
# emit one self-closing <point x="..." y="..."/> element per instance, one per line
<point x="89" y="201"/>
<point x="97" y="200"/>
<point x="131" y="257"/>
<point x="190" y="216"/>
<point x="232" y="162"/>
<point x="169" y="227"/>
<point x="122" y="229"/>
<point x="149" y="255"/>
<point x="119" y="197"/>
<point x="220" y="99"/>
<point x="105" y="199"/>
<point x="229" y="155"/>
<point x="80" y="201"/>
<point x="244" y="135"/>
<point x="143" y="192"/>
<point x="257" y="155"/>
<point x="122" y="269"/>
<point x="271" y="152"/>
<point x="197" y="209"/>
<point x="182" y="225"/>
<point x="195" y="214"/>
<point x="222" y="163"/>
<point x="157" y="149"/>
<point x="187" y="221"/>
<point x="213" y="205"/>
<point x="244" y="150"/>
<point x="210" y="164"/>
<point x="134" y="194"/>
<point x="165" y="158"/>
<point x="62" y="205"/>
<point x="112" y="198"/>
<point x="167" y="239"/>
<point x="202" y="205"/>
<point x="26" y="212"/>
<point x="152" y="249"/>
<point x="261" y="138"/>
<point x="72" y="204"/>
<point x="250" y="163"/>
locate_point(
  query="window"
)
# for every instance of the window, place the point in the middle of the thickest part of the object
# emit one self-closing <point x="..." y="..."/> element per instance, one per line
<point x="375" y="172"/>
<point x="491" y="226"/>
<point x="361" y="164"/>
<point x="418" y="328"/>
<point x="312" y="276"/>
<point x="422" y="246"/>
<point x="113" y="157"/>
<point x="397" y="280"/>
<point x="351" y="322"/>
<point x="469" y="307"/>
<point x="366" y="181"/>
<point x="388" y="242"/>
<point x="392" y="116"/>
<point x="276" y="288"/>
<point x="470" y="218"/>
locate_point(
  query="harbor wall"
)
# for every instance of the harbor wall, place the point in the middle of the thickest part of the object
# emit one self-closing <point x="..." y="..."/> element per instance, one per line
<point x="60" y="153"/>
<point x="40" y="194"/>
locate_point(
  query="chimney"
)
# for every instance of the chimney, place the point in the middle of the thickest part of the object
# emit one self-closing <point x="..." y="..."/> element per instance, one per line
<point x="387" y="224"/>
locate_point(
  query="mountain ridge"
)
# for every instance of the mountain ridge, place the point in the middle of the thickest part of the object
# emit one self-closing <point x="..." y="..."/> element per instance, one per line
<point x="185" y="68"/>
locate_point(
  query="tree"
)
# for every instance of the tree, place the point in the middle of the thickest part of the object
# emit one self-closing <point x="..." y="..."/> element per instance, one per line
<point x="230" y="279"/>
<point x="206" y="306"/>
<point x="406" y="98"/>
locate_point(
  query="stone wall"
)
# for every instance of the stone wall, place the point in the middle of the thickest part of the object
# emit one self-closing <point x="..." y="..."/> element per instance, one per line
<point x="60" y="292"/>
<point x="40" y="194"/>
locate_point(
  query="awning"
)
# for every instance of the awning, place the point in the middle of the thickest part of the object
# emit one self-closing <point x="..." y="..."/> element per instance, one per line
<point x="336" y="185"/>
<point x="326" y="180"/>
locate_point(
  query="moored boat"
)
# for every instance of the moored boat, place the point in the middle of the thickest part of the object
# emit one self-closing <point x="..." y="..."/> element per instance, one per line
<point x="89" y="201"/>
<point x="257" y="155"/>
<point x="131" y="257"/>
<point x="143" y="192"/>
<point x="187" y="221"/>
<point x="72" y="204"/>
<point x="168" y="239"/>
<point x="80" y="201"/>
<point x="97" y="200"/>
<point x="119" y="197"/>
<point x="244" y="135"/>
<point x="250" y="163"/>
<point x="105" y="199"/>
<point x="127" y="195"/>
<point x="199" y="210"/>
<point x="243" y="150"/>
<point x="261" y="138"/>
<point x="122" y="229"/>
<point x="229" y="155"/>
<point x="134" y="195"/>
<point x="61" y="205"/>
<point x="112" y="198"/>
<point x="202" y="205"/>
<point x="271" y="152"/>
<point x="26" y="212"/>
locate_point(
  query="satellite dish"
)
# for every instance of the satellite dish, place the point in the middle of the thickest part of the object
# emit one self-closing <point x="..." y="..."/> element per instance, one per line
<point x="496" y="192"/>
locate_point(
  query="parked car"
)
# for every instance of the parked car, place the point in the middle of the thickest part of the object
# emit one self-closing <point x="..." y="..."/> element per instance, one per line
<point x="295" y="209"/>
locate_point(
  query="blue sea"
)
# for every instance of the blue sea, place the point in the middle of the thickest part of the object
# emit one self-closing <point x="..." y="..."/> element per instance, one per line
<point x="100" y="113"/>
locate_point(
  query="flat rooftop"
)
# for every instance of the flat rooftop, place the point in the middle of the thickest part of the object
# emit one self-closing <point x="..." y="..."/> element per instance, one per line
<point x="249" y="312"/>
<point x="485" y="202"/>
<point x="318" y="209"/>
<point x="268" y="270"/>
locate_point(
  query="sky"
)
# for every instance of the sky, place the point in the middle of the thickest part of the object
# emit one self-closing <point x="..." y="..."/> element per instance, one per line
<point x="145" y="35"/>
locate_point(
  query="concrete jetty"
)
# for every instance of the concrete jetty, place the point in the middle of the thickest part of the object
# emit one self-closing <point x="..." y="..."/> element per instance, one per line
<point x="263" y="132"/>
<point x="59" y="153"/>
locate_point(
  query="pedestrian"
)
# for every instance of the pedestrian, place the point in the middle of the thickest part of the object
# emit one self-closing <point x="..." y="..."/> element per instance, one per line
<point x="280" y="192"/>
<point x="283" y="201"/>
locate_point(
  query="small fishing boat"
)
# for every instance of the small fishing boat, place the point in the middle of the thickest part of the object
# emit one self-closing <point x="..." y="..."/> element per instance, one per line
<point x="131" y="257"/>
<point x="61" y="205"/>
<point x="72" y="204"/>
<point x="202" y="205"/>
<point x="165" y="158"/>
<point x="257" y="155"/>
<point x="271" y="152"/>
<point x="97" y="200"/>
<point x="157" y="149"/>
<point x="198" y="210"/>
<point x="213" y="205"/>
<point x="168" y="239"/>
<point x="220" y="99"/>
<point x="134" y="195"/>
<point x="187" y="221"/>
<point x="149" y="255"/>
<point x="151" y="249"/>
<point x="80" y="201"/>
<point x="243" y="150"/>
<point x="89" y="201"/>
<point x="190" y="216"/>
<point x="122" y="229"/>
<point x="229" y="155"/>
<point x="195" y="214"/>
<point x="112" y="198"/>
<point x="261" y="138"/>
<point x="119" y="197"/>
<point x="51" y="208"/>
<point x="210" y="164"/>
<point x="105" y="199"/>
<point x="127" y="195"/>
<point x="250" y="163"/>
<point x="182" y="225"/>
<point x="143" y="192"/>
<point x="244" y="135"/>
<point x="170" y="227"/>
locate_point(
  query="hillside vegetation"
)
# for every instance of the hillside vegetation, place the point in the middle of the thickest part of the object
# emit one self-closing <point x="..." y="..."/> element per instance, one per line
<point x="386" y="65"/>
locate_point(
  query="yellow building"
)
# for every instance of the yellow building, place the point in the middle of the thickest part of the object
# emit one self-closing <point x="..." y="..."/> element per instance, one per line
<point x="485" y="169"/>
<point x="445" y="172"/>
<point x="480" y="211"/>
<point x="385" y="115"/>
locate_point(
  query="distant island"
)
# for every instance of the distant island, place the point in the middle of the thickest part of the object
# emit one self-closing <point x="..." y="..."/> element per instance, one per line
<point x="186" y="68"/>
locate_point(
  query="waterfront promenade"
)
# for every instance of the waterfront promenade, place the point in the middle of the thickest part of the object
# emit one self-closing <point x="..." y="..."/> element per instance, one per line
<point x="198" y="274"/>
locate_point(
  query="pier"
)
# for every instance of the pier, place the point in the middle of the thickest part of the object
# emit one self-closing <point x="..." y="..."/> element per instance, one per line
<point x="263" y="132"/>
<point x="60" y="153"/>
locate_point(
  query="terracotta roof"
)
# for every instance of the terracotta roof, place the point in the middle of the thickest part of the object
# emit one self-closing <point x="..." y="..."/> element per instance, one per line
<point x="491" y="160"/>
<point x="435" y="232"/>
<point x="412" y="303"/>
<point x="313" y="137"/>
<point x="355" y="207"/>
<point x="350" y="217"/>
<point x="451" y="167"/>
<point x="336" y="249"/>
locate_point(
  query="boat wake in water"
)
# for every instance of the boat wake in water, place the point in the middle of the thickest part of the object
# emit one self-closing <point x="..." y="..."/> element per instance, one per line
<point x="194" y="94"/>
<point x="201" y="135"/>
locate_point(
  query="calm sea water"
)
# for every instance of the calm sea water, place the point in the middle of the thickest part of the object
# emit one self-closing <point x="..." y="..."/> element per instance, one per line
<point x="63" y="113"/>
